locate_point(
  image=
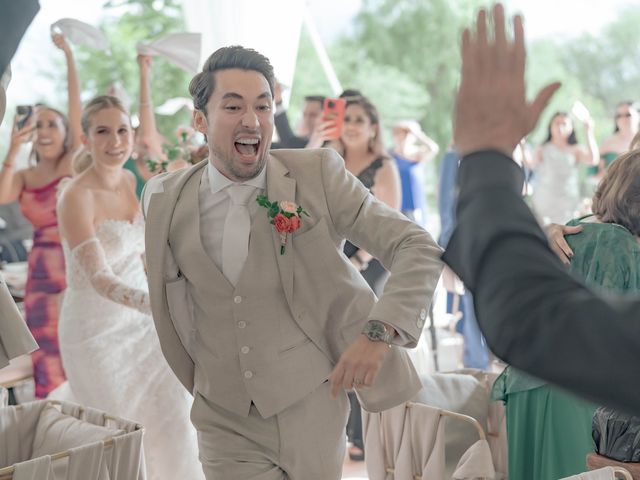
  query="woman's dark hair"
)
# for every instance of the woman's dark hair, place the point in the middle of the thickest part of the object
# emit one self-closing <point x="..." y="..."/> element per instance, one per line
<point x="351" y="92"/>
<point x="627" y="103"/>
<point x="203" y="84"/>
<point x="572" y="138"/>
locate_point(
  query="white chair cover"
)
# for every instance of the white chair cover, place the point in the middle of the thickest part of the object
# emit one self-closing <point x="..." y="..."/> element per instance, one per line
<point x="87" y="462"/>
<point x="606" y="473"/>
<point x="35" y="469"/>
<point x="468" y="392"/>
<point x="404" y="443"/>
<point x="124" y="460"/>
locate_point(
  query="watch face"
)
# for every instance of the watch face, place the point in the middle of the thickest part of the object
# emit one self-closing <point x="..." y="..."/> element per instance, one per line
<point x="375" y="331"/>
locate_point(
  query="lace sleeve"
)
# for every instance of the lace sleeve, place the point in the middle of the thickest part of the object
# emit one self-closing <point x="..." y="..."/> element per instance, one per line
<point x="89" y="256"/>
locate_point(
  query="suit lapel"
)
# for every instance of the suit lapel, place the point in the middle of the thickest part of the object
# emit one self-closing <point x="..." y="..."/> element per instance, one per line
<point x="281" y="187"/>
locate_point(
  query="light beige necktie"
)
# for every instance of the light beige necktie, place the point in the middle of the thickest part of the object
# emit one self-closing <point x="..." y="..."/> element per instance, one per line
<point x="235" y="236"/>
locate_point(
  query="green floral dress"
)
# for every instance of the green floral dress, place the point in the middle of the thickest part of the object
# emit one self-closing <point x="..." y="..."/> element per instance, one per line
<point x="549" y="430"/>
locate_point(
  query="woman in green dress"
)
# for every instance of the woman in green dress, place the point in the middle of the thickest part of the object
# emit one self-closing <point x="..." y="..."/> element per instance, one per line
<point x="549" y="430"/>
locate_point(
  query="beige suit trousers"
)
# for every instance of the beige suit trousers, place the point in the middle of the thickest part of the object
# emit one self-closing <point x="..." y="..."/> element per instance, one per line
<point x="305" y="441"/>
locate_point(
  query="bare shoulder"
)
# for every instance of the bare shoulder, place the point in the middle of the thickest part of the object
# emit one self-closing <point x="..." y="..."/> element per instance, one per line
<point x="76" y="194"/>
<point x="388" y="172"/>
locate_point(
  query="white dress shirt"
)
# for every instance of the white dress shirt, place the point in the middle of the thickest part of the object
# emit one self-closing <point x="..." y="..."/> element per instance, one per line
<point x="214" y="203"/>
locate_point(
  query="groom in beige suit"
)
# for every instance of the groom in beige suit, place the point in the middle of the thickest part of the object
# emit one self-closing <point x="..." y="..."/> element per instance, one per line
<point x="266" y="338"/>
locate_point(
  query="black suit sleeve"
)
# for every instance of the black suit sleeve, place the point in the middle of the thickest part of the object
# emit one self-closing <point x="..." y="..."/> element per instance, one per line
<point x="533" y="313"/>
<point x="15" y="19"/>
<point x="288" y="139"/>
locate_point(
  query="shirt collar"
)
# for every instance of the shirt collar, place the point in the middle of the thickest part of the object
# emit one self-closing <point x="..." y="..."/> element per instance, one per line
<point x="218" y="182"/>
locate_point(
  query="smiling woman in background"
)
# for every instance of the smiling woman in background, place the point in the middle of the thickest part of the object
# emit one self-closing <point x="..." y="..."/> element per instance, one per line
<point x="54" y="139"/>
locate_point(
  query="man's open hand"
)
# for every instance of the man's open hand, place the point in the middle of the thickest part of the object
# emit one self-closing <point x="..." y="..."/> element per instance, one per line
<point x="358" y="365"/>
<point x="491" y="110"/>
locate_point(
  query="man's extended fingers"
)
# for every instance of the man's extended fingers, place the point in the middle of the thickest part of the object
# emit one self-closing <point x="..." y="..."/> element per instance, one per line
<point x="467" y="55"/>
<point x="539" y="103"/>
<point x="481" y="31"/>
<point x="564" y="246"/>
<point x="369" y="378"/>
<point x="499" y="30"/>
<point x="566" y="230"/>
<point x="519" y="49"/>
<point x="559" y="253"/>
<point x="335" y="379"/>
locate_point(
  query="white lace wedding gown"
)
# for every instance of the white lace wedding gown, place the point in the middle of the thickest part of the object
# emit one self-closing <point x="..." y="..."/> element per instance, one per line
<point x="111" y="352"/>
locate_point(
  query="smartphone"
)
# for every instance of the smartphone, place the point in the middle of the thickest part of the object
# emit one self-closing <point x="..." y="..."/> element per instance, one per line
<point x="23" y="113"/>
<point x="333" y="109"/>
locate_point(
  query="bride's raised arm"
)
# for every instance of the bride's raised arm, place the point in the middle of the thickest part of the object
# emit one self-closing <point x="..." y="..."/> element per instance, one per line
<point x="76" y="213"/>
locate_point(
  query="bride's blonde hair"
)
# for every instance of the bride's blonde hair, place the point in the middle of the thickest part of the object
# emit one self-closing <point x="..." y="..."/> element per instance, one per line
<point x="82" y="158"/>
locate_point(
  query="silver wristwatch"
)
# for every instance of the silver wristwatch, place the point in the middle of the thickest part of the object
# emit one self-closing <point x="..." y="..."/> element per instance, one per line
<point x="376" y="331"/>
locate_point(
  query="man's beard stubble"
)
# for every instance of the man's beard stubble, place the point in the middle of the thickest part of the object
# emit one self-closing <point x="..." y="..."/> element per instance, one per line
<point x="235" y="173"/>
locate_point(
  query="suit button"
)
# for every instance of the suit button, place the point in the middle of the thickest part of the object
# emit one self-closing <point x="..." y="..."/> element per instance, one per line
<point x="248" y="374"/>
<point x="245" y="350"/>
<point x="237" y="299"/>
<point x="419" y="323"/>
<point x="423" y="314"/>
<point x="242" y="324"/>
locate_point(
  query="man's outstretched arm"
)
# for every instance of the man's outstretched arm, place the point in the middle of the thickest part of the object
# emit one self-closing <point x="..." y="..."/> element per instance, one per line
<point x="533" y="313"/>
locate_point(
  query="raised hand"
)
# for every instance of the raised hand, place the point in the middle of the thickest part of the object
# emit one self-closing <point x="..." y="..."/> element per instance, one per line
<point x="60" y="41"/>
<point x="491" y="110"/>
<point x="144" y="62"/>
<point x="325" y="130"/>
<point x="359" y="365"/>
<point x="22" y="135"/>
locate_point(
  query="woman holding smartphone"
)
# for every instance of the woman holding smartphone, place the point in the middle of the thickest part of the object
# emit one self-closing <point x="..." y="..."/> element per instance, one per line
<point x="360" y="144"/>
<point x="54" y="139"/>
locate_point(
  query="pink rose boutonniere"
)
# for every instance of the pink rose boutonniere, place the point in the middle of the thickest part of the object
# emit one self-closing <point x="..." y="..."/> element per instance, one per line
<point x="285" y="217"/>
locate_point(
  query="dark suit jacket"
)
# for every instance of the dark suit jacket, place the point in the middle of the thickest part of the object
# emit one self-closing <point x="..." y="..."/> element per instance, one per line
<point x="288" y="139"/>
<point x="533" y="314"/>
<point x="15" y="19"/>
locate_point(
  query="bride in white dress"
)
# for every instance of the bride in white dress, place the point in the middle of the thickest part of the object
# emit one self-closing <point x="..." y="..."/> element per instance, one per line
<point x="109" y="346"/>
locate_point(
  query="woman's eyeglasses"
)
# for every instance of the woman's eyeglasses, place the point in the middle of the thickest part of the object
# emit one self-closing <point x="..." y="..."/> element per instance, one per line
<point x="623" y="115"/>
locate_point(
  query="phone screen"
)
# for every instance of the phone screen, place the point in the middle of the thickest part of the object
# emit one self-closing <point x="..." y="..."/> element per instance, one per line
<point x="333" y="109"/>
<point x="23" y="113"/>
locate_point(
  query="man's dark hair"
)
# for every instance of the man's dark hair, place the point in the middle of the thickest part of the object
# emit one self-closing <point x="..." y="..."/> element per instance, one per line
<point x="225" y="58"/>
<point x="351" y="92"/>
<point x="314" y="98"/>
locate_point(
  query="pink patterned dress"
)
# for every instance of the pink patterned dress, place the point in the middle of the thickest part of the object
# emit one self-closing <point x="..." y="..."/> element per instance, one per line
<point x="45" y="283"/>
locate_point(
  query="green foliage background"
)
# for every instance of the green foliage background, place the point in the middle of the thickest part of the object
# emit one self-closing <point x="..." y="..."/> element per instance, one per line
<point x="403" y="54"/>
<point x="126" y="23"/>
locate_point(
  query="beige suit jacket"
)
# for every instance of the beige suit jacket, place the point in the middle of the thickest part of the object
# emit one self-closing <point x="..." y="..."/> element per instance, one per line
<point x="328" y="298"/>
<point x="15" y="337"/>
